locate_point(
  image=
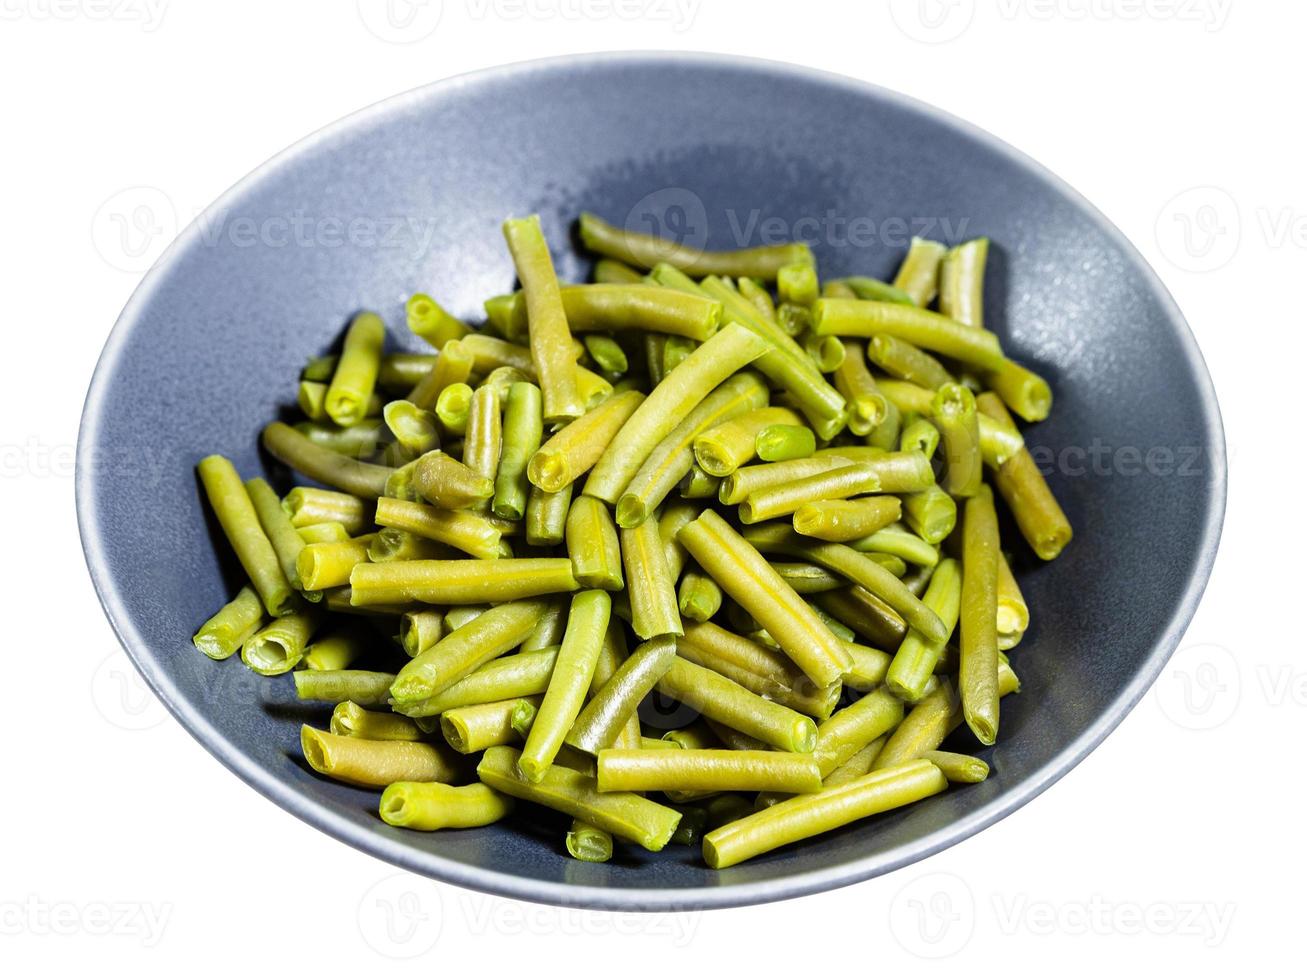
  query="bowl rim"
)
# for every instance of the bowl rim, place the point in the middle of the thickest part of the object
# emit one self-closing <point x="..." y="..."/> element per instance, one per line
<point x="618" y="898"/>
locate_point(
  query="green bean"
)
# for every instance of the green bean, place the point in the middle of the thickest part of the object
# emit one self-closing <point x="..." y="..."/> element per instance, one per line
<point x="398" y="372"/>
<point x="592" y="545"/>
<point x="1037" y="512"/>
<point x="1025" y="392"/>
<point x="886" y="434"/>
<point x="549" y="627"/>
<point x="504" y="678"/>
<point x="325" y="566"/>
<point x="766" y="673"/>
<point x="673" y="518"/>
<point x="613" y="271"/>
<point x="474" y="727"/>
<point x="546" y="516"/>
<point x="918" y="276"/>
<point x="453" y="366"/>
<point x="749" y="479"/>
<point x="922" y="328"/>
<point x="523" y="715"/>
<point x="962" y="282"/>
<point x="366" y="687"/>
<point x="694" y="736"/>
<point x="919" y="435"/>
<point x="430" y="321"/>
<point x="864" y="287"/>
<point x="462" y="651"/>
<point x="674" y="456"/>
<point x="240" y="523"/>
<point x="356" y="721"/>
<point x="607" y="353"/>
<point x="698" y="596"/>
<point x="499" y="316"/>
<point x="646" y="251"/>
<point x="574" y="449"/>
<point x="958" y="768"/>
<point x="224" y="632"/>
<point x="846" y="520"/>
<point x="1013" y="613"/>
<point x="586" y="625"/>
<point x="341" y="600"/>
<point x="550" y="338"/>
<point x="481" y="446"/>
<point x="459" y="616"/>
<point x="338" y="649"/>
<point x="464" y="530"/>
<point x="420" y="630"/>
<point x="954" y="413"/>
<point x="849" y="729"/>
<point x="454" y="407"/>
<point x="727" y="446"/>
<point x="279" y="646"/>
<point x="436" y="806"/>
<point x="707" y="770"/>
<point x="851" y="480"/>
<point x="931" y="513"/>
<point x="694" y="820"/>
<point x="899" y="472"/>
<point x="901" y="359"/>
<point x="723" y="700"/>
<point x="600" y="723"/>
<point x="869" y="669"/>
<point x="612" y="654"/>
<point x="743" y="574"/>
<point x="641" y="306"/>
<point x="777" y="443"/>
<point x="312" y="400"/>
<point x="806" y="578"/>
<point x="324" y="465"/>
<point x="356" y="371"/>
<point x="794" y="321"/>
<point x="649" y="582"/>
<point x="586" y="842"/>
<point x="978" y="663"/>
<point x="285" y="540"/>
<point x="522" y="431"/>
<point x="446" y="483"/>
<point x="717" y="359"/>
<point x="998" y="441"/>
<point x="390" y="544"/>
<point x="797" y="283"/>
<point x="414" y="428"/>
<point x="900" y="543"/>
<point x="322" y="532"/>
<point x="810" y="814"/>
<point x="373" y="763"/>
<point x="915" y="661"/>
<point x="459" y="581"/>
<point x="859" y="764"/>
<point x="757" y="294"/>
<point x="893" y="564"/>
<point x="655" y="346"/>
<point x="698" y="485"/>
<point x="869" y="615"/>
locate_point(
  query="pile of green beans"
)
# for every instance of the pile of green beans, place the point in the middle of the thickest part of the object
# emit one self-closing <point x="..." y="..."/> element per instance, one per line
<point x="704" y="553"/>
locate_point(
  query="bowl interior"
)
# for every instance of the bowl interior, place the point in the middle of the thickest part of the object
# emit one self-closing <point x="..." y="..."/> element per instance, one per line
<point x="410" y="195"/>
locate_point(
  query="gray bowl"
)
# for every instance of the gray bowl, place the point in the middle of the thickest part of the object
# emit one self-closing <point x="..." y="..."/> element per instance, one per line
<point x="408" y="195"/>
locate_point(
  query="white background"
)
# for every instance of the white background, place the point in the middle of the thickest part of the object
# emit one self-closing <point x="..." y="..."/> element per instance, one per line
<point x="1175" y="846"/>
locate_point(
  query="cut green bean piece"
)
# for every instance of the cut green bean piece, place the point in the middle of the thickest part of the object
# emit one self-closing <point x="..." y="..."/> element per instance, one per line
<point x="517" y="676"/>
<point x="746" y="577"/>
<point x="356" y="721"/>
<point x="806" y="578"/>
<point x="240" y="523"/>
<point x="978" y="660"/>
<point x="849" y="729"/>
<point x="415" y="429"/>
<point x="1013" y="613"/>
<point x="869" y="667"/>
<point x="279" y="646"/>
<point x="1038" y="514"/>
<point x="369" y="688"/>
<point x="373" y="763"/>
<point x="338" y="649"/>
<point x="356" y="371"/>
<point x="309" y="505"/>
<point x="224" y="632"/>
<point x="919" y="435"/>
<point x="813" y="813"/>
<point x="607" y="353"/>
<point x="958" y="768"/>
<point x="900" y="359"/>
<point x="618" y="273"/>
<point x="436" y="806"/>
<point x="899" y="543"/>
<point x="625" y="815"/>
<point x="931" y="513"/>
<point x="546" y="516"/>
<point x="549" y="627"/>
<point x="324" y="465"/>
<point x="727" y="446"/>
<point x="523" y="715"/>
<point x="777" y="443"/>
<point x="551" y="340"/>
<point x="454" y="407"/>
<point x="757" y="294"/>
<point x="915" y="661"/>
<point x="922" y="328"/>
<point x="868" y="408"/>
<point x="322" y="533"/>
<point x="899" y="472"/>
<point x="312" y="400"/>
<point x="592" y="545"/>
<point x="869" y="616"/>
<point x="602" y="720"/>
<point x="698" y="596"/>
<point x="465" y="649"/>
<point x="481" y="445"/>
<point x="649" y="582"/>
<point x="586" y="842"/>
<point x="646" y="251"/>
<point x="474" y="727"/>
<point x="707" y="770"/>
<point x="918" y="276"/>
<point x="325" y="566"/>
<point x="445" y="482"/>
<point x="573" y="450"/>
<point x="643" y="306"/>
<point x="522" y="431"/>
<point x="461" y="529"/>
<point x="391" y="544"/>
<point x="750" y="479"/>
<point x="852" y="480"/>
<point x="459" y="581"/>
<point x="432" y="322"/>
<point x="453" y="366"/>
<point x="797" y="283"/>
<point x="864" y="287"/>
<point x="954" y="413"/>
<point x="846" y="520"/>
<point x="962" y="282"/>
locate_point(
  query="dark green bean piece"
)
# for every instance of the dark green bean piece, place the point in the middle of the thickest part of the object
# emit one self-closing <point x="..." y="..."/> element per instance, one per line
<point x="332" y="468"/>
<point x="240" y="523"/>
<point x="869" y="616"/>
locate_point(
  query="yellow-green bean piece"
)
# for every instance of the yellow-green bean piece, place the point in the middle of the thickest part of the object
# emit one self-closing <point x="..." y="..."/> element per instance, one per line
<point x="852" y="480"/>
<point x="707" y="770"/>
<point x="626" y="815"/>
<point x="465" y="649"/>
<point x="601" y="722"/>
<point x="978" y="660"/>
<point x="474" y="727"/>
<point x="814" y="813"/>
<point x="746" y="577"/>
<point x="467" y="531"/>
<point x="958" y="768"/>
<point x="309" y="505"/>
<point x="240" y="523"/>
<point x="962" y="282"/>
<point x="356" y="721"/>
<point x="356" y="371"/>
<point x="377" y="763"/>
<point x="869" y="667"/>
<point x="224" y="632"/>
<point x="445" y="482"/>
<point x="726" y="447"/>
<point x="391" y="544"/>
<point x="899" y="543"/>
<point x="846" y="520"/>
<point x="338" y="649"/>
<point x="918" y="276"/>
<point x="484" y="433"/>
<point x="454" y="406"/>
<point x="281" y="533"/>
<point x="415" y="429"/>
<point x="592" y="545"/>
<point x="618" y="273"/>
<point x="325" y="566"/>
<point x="312" y="400"/>
<point x="323" y="532"/>
<point x="571" y="451"/>
<point x="900" y="359"/>
<point x="915" y="661"/>
<point x="279" y="646"/>
<point x="849" y="729"/>
<point x="586" y="842"/>
<point x="504" y="678"/>
<point x="370" y="688"/>
<point x="806" y="578"/>
<point x="736" y="487"/>
<point x="931" y="513"/>
<point x="453" y="366"/>
<point x="1013" y="613"/>
<point x="698" y="596"/>
<point x="649" y="582"/>
<point x="324" y="465"/>
<point x="954" y="414"/>
<point x="436" y="806"/>
<point x="432" y="322"/>
<point x="546" y="516"/>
